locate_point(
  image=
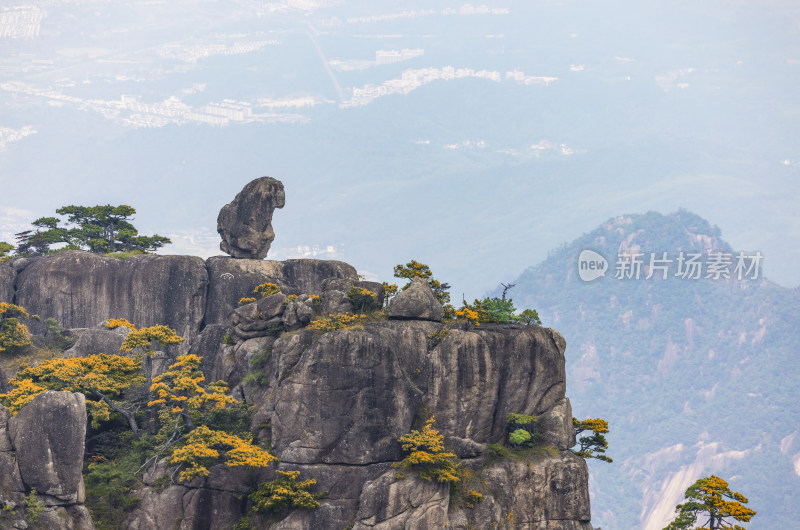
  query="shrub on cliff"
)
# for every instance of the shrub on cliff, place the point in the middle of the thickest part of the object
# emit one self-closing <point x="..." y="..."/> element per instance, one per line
<point x="337" y="321"/>
<point x="102" y="378"/>
<point x="362" y="299"/>
<point x="14" y="335"/>
<point x="285" y="492"/>
<point x="522" y="430"/>
<point x="185" y="404"/>
<point x="98" y="229"/>
<point x="493" y="310"/>
<point x="426" y="454"/>
<point x="266" y="289"/>
<point x="594" y="444"/>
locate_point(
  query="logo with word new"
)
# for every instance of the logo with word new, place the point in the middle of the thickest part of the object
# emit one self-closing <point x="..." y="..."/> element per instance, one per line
<point x="591" y="265"/>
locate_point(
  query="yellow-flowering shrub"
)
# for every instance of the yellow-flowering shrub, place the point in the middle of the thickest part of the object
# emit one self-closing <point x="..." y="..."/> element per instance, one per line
<point x="114" y="323"/>
<point x="143" y="337"/>
<point x="23" y="393"/>
<point x="205" y="447"/>
<point x="266" y="289"/>
<point x="95" y="376"/>
<point x="337" y="321"/>
<point x="426" y="454"/>
<point x="180" y="387"/>
<point x="285" y="492"/>
<point x="473" y="498"/>
<point x="470" y="315"/>
<point x="246" y="300"/>
<point x="362" y="299"/>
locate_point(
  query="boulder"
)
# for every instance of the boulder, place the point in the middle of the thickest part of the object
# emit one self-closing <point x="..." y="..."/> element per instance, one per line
<point x="245" y="224"/>
<point x="334" y="301"/>
<point x="97" y="340"/>
<point x="417" y="302"/>
<point x="233" y="279"/>
<point x="7" y="277"/>
<point x="80" y="290"/>
<point x="271" y="306"/>
<point x="335" y="294"/>
<point x="298" y="313"/>
<point x="48" y="437"/>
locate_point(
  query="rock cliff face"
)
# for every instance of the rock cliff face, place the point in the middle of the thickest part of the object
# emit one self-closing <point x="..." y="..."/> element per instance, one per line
<point x="81" y="290"/>
<point x="7" y="276"/>
<point x="331" y="404"/>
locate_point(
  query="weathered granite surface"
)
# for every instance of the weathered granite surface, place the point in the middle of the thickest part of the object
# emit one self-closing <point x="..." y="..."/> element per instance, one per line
<point x="7" y="277"/>
<point x="81" y="290"/>
<point x="233" y="279"/>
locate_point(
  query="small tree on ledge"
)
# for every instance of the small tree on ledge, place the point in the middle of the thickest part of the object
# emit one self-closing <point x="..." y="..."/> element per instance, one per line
<point x="594" y="445"/>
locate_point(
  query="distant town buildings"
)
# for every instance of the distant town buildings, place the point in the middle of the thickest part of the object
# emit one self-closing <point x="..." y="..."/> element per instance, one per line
<point x="192" y="54"/>
<point x="412" y="79"/>
<point x="381" y="57"/>
<point x="133" y="112"/>
<point x="20" y="22"/>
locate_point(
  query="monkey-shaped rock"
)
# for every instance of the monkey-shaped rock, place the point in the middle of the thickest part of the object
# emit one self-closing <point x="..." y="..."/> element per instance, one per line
<point x="245" y="223"/>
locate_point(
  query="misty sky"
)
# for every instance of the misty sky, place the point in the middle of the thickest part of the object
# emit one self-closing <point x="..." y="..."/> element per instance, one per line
<point x="474" y="138"/>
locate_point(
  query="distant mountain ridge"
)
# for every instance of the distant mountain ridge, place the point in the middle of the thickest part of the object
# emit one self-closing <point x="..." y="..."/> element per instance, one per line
<point x="694" y="375"/>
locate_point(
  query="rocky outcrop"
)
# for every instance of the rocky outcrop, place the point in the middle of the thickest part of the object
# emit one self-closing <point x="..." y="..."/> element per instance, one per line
<point x="41" y="448"/>
<point x="80" y="290"/>
<point x="548" y="492"/>
<point x="331" y="405"/>
<point x="416" y="302"/>
<point x="335" y="294"/>
<point x="233" y="279"/>
<point x="387" y="373"/>
<point x="245" y="224"/>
